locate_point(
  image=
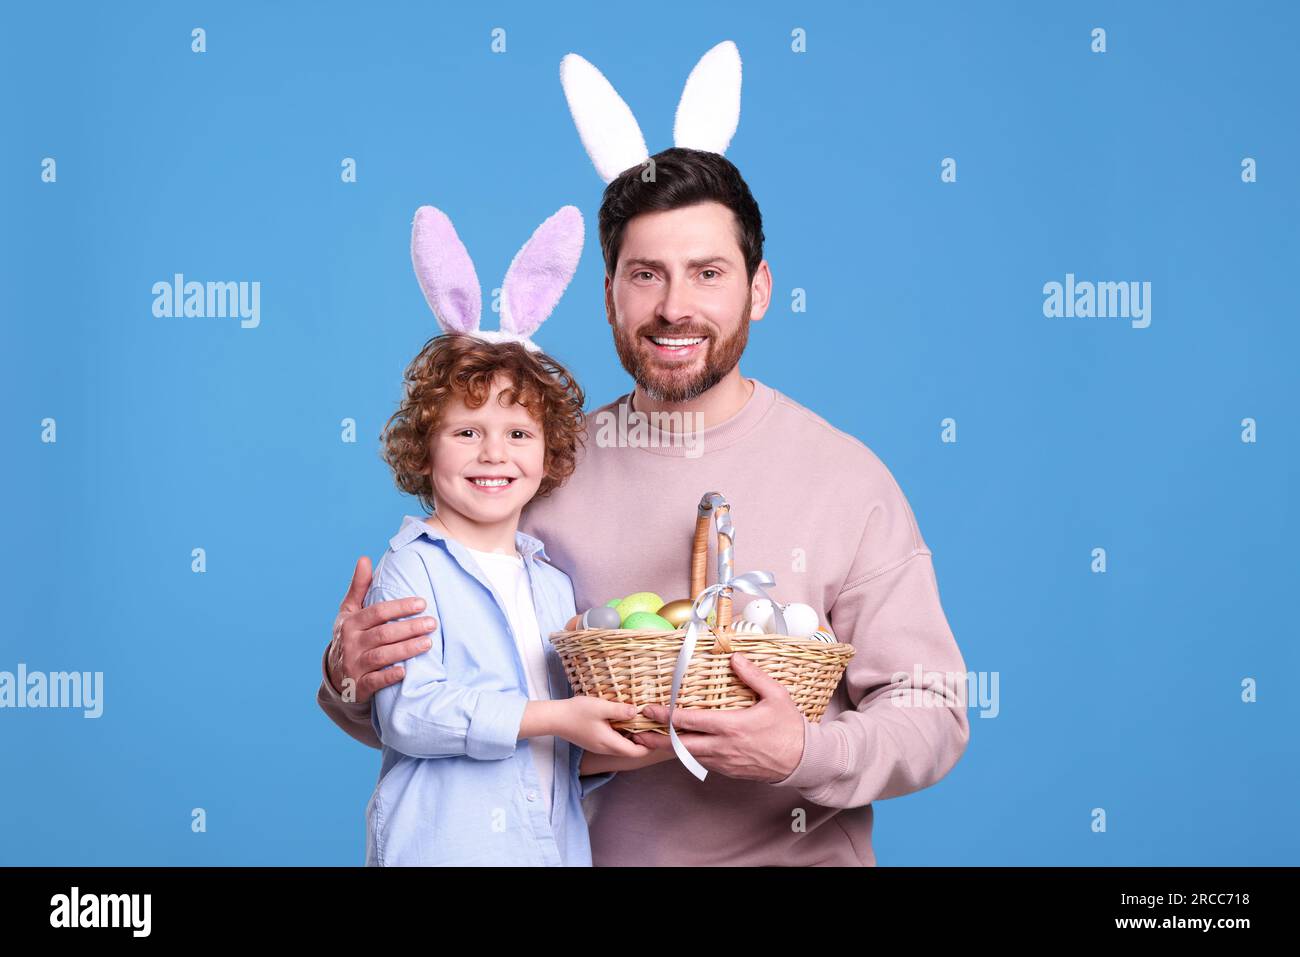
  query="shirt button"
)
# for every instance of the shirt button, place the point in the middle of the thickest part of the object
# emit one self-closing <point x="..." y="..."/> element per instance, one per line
<point x="532" y="795"/>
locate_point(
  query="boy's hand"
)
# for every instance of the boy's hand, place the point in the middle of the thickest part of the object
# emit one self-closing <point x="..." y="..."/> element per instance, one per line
<point x="366" y="640"/>
<point x="585" y="722"/>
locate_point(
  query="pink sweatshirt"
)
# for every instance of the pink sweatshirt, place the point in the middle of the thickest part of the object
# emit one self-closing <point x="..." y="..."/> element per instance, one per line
<point x="817" y="509"/>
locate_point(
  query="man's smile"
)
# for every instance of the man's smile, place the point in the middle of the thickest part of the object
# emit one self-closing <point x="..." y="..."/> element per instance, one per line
<point x="674" y="347"/>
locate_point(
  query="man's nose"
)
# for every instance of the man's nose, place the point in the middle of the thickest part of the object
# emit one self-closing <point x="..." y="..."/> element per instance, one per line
<point x="675" y="306"/>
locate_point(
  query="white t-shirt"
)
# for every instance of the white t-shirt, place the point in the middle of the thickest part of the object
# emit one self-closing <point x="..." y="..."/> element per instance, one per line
<point x="510" y="579"/>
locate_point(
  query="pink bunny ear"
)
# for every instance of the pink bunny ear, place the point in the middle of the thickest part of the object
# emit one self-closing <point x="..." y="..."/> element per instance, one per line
<point x="540" y="271"/>
<point x="445" y="272"/>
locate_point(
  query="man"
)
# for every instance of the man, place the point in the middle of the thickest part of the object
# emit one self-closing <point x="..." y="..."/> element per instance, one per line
<point x="685" y="276"/>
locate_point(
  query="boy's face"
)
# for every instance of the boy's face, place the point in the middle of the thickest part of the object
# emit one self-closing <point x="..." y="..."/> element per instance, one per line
<point x="494" y="441"/>
<point x="681" y="276"/>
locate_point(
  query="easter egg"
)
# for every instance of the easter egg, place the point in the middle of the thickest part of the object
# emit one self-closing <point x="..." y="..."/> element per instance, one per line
<point x="574" y="623"/>
<point x="647" y="620"/>
<point x="745" y="627"/>
<point x="646" y="601"/>
<point x="800" y="620"/>
<point x="612" y="602"/>
<point x="601" y="617"/>
<point x="678" y="612"/>
<point x="759" y="611"/>
<point x="824" y="634"/>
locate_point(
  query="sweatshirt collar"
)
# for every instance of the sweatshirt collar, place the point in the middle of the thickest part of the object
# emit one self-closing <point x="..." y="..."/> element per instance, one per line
<point x="711" y="439"/>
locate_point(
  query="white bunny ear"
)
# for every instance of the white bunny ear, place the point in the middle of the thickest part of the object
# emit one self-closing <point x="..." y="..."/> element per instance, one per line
<point x="445" y="271"/>
<point x="709" y="110"/>
<point x="605" y="124"/>
<point x="540" y="272"/>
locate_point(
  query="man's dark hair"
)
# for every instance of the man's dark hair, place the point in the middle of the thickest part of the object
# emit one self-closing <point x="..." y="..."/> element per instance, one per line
<point x="682" y="177"/>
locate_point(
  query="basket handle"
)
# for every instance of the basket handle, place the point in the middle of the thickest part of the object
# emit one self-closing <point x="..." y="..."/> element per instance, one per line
<point x="711" y="505"/>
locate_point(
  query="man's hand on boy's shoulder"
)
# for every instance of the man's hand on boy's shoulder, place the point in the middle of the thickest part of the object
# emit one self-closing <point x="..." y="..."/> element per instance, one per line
<point x="367" y="640"/>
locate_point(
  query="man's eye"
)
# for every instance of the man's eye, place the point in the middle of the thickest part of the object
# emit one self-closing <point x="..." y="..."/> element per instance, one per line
<point x="714" y="271"/>
<point x="643" y="272"/>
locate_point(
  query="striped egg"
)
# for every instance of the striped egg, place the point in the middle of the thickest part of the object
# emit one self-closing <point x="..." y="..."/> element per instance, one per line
<point x="746" y="627"/>
<point x="823" y="634"/>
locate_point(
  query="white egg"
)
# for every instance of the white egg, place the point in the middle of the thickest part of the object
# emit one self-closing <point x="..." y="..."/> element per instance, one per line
<point x="759" y="611"/>
<point x="744" y="627"/>
<point x="824" y="634"/>
<point x="800" y="620"/>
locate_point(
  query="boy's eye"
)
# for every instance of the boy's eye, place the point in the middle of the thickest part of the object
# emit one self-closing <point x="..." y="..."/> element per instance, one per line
<point x="514" y="433"/>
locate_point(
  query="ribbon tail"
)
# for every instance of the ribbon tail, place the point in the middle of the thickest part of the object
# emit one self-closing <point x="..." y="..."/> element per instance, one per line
<point x="679" y="672"/>
<point x="685" y="756"/>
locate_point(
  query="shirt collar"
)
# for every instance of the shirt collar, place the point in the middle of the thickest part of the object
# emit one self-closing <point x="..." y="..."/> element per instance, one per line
<point x="413" y="527"/>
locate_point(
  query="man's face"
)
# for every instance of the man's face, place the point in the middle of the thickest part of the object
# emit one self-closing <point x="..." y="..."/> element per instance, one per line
<point x="486" y="444"/>
<point x="680" y="302"/>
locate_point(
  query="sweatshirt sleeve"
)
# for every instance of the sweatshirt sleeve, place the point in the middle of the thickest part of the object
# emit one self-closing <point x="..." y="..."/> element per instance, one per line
<point x="352" y="717"/>
<point x="906" y="682"/>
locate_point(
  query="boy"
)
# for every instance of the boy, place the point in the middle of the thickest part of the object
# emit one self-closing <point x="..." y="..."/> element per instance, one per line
<point x="484" y="427"/>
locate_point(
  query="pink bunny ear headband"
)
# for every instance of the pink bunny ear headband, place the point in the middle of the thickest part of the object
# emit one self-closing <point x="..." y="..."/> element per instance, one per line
<point x="537" y="277"/>
<point x="707" y="114"/>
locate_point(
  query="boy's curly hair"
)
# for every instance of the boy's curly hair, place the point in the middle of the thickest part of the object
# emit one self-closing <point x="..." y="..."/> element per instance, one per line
<point x="465" y="365"/>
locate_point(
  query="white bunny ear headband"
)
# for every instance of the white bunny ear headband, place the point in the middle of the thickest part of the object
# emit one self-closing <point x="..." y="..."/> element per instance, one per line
<point x="707" y="114"/>
<point x="537" y="277"/>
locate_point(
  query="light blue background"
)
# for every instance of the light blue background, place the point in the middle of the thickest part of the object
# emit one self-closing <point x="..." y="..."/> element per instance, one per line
<point x="1119" y="691"/>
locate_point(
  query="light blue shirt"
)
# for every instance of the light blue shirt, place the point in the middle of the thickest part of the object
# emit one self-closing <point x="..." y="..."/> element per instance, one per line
<point x="457" y="786"/>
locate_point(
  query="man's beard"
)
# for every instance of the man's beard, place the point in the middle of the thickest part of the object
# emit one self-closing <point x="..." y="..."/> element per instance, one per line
<point x="684" y="381"/>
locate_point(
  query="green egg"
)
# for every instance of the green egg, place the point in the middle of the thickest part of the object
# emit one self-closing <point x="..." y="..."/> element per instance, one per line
<point x="648" y="621"/>
<point x="639" y="601"/>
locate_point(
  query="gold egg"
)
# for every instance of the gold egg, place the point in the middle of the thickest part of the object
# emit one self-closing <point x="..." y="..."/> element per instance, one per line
<point x="677" y="612"/>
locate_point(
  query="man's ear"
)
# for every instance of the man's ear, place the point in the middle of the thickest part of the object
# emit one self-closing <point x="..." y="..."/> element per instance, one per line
<point x="761" y="291"/>
<point x="609" y="299"/>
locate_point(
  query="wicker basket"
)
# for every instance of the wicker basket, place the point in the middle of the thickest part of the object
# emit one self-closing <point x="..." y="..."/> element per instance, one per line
<point x="636" y="666"/>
